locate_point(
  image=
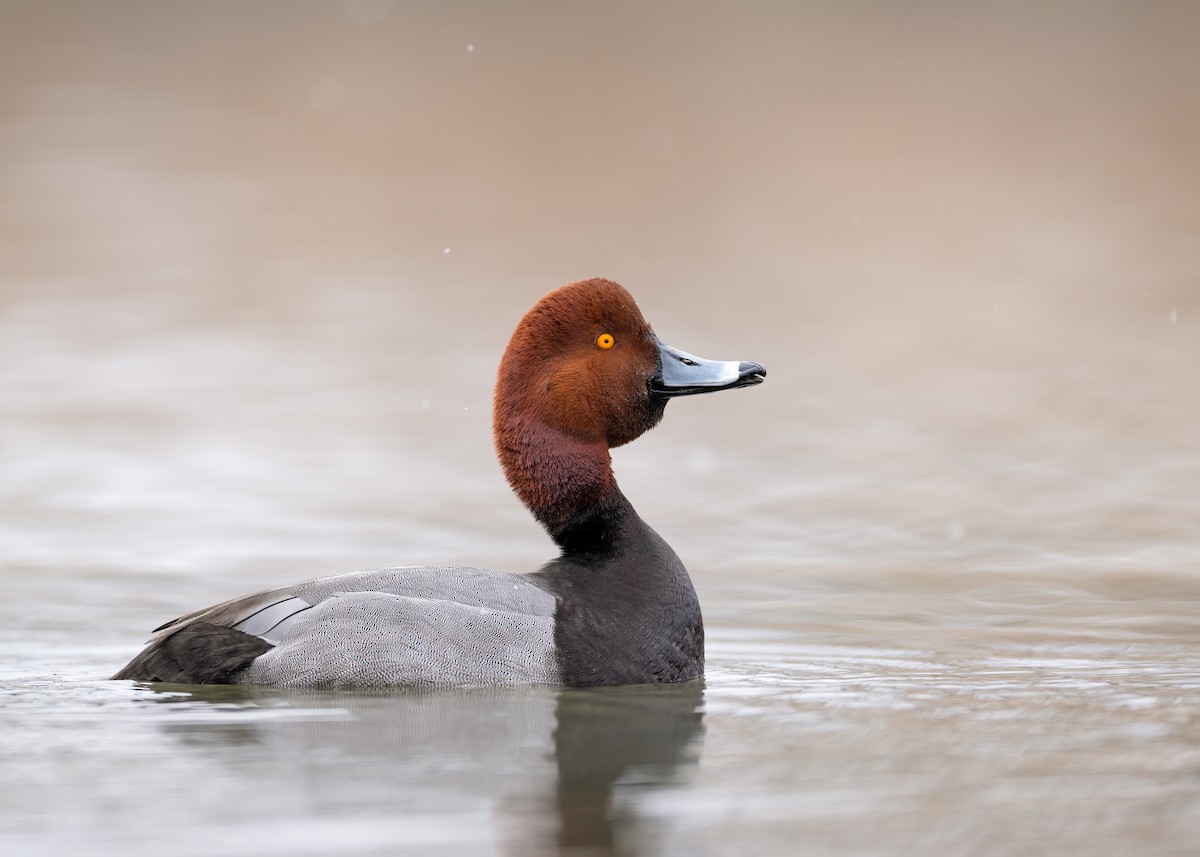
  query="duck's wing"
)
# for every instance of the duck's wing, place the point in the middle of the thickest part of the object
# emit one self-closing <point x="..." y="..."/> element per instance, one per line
<point x="378" y="639"/>
<point x="400" y="626"/>
<point x="206" y="646"/>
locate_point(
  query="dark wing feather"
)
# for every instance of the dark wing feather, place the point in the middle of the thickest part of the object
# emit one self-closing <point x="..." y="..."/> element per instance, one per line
<point x="208" y="649"/>
<point x="198" y="653"/>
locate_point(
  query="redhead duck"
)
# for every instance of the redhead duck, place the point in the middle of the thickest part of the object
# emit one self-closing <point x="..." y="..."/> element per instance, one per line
<point x="583" y="373"/>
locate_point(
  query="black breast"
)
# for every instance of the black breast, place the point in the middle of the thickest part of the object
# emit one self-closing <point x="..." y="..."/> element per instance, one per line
<point x="627" y="612"/>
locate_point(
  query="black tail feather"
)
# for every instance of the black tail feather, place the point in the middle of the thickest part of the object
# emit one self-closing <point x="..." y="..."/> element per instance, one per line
<point x="198" y="653"/>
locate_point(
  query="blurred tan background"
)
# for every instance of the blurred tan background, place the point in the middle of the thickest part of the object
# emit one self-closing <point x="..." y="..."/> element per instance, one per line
<point x="258" y="262"/>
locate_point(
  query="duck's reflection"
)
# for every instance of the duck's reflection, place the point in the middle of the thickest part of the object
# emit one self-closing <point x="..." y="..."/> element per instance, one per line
<point x="528" y="770"/>
<point x="637" y="737"/>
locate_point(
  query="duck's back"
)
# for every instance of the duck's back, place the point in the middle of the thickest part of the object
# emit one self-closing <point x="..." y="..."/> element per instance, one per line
<point x="416" y="626"/>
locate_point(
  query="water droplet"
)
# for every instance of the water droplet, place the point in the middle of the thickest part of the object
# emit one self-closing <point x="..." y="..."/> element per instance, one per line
<point x="1174" y="316"/>
<point x="445" y="251"/>
<point x="470" y="49"/>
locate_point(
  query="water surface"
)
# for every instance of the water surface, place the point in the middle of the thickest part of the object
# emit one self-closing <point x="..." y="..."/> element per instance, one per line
<point x="258" y="264"/>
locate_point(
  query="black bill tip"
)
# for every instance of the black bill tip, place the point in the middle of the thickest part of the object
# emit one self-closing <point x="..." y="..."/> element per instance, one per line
<point x="750" y="373"/>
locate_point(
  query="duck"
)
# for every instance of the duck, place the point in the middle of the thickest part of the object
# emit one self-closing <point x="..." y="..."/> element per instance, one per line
<point x="582" y="374"/>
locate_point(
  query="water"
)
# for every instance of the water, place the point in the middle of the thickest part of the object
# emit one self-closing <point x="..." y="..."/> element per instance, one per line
<point x="947" y="554"/>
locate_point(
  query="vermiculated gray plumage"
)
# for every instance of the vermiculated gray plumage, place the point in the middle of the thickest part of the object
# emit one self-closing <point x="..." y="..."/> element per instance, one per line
<point x="419" y="627"/>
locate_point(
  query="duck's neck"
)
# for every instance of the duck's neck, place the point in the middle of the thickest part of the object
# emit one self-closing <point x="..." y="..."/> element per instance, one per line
<point x="567" y="484"/>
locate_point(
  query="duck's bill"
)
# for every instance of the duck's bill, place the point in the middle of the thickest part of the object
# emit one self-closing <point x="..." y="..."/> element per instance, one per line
<point x="683" y="374"/>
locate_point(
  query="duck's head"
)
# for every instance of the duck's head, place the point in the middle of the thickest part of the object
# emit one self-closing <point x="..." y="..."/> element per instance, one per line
<point x="584" y="372"/>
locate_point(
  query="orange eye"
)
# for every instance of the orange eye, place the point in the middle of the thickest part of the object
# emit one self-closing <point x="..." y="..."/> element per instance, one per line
<point x="605" y="341"/>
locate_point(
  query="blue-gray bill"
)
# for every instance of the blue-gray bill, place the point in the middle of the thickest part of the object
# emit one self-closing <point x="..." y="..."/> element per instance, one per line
<point x="683" y="374"/>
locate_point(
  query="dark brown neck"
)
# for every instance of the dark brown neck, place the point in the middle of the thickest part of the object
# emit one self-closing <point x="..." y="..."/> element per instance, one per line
<point x="561" y="479"/>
